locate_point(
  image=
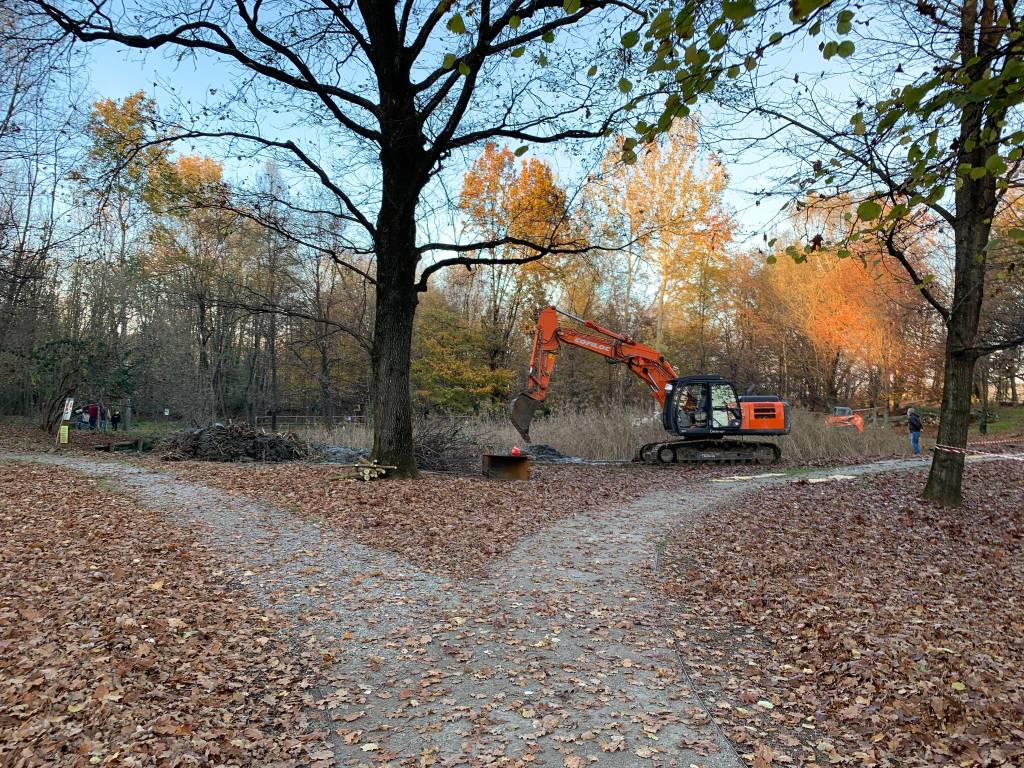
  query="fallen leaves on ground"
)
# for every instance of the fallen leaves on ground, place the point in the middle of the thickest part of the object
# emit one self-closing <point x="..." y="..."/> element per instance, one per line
<point x="443" y="523"/>
<point x="27" y="438"/>
<point x="856" y="624"/>
<point x="121" y="642"/>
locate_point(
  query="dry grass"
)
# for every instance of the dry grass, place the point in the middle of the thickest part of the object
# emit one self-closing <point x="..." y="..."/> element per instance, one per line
<point x="811" y="441"/>
<point x="616" y="433"/>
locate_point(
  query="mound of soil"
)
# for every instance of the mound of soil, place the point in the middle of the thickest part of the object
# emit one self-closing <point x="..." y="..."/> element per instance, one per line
<point x="543" y="452"/>
<point x="234" y="442"/>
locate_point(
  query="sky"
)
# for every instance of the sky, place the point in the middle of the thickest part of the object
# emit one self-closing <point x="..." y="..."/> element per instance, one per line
<point x="115" y="72"/>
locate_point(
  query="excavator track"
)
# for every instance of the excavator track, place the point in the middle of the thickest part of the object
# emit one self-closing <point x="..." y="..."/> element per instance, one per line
<point x="709" y="452"/>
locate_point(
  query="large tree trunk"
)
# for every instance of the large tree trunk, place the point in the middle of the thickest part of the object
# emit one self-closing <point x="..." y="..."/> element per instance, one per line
<point x="404" y="166"/>
<point x="975" y="205"/>
<point x="396" y="299"/>
<point x="945" y="482"/>
<point x="390" y="360"/>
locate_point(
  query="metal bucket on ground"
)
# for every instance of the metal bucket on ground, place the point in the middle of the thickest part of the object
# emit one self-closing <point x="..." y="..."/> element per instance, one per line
<point x="504" y="467"/>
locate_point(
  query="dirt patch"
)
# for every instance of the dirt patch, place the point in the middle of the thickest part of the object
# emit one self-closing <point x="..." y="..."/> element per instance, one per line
<point x="442" y="523"/>
<point x="863" y="624"/>
<point x="120" y="640"/>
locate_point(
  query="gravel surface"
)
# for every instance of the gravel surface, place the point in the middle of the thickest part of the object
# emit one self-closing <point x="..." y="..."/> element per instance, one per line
<point x="560" y="657"/>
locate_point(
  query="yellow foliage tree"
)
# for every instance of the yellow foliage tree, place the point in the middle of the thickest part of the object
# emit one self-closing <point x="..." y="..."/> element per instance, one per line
<point x="504" y="200"/>
<point x="669" y="212"/>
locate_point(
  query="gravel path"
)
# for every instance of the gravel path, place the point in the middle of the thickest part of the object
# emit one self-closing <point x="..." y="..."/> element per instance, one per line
<point x="559" y="658"/>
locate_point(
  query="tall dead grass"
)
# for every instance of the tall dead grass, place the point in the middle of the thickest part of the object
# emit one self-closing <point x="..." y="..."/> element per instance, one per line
<point x="616" y="433"/>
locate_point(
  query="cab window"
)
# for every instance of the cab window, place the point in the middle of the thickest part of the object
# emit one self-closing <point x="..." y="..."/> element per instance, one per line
<point x="724" y="408"/>
<point x="692" y="406"/>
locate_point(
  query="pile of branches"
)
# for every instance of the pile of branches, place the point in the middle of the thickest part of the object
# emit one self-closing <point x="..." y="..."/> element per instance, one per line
<point x="442" y="445"/>
<point x="234" y="442"/>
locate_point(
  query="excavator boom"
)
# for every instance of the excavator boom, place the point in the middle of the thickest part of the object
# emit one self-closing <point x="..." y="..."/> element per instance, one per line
<point x="644" y="362"/>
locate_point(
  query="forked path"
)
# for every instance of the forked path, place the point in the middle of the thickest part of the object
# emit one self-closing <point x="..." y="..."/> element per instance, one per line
<point x="559" y="658"/>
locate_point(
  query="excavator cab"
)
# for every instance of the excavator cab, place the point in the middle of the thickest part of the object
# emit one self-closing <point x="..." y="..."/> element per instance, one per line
<point x="708" y="408"/>
<point x="705" y="412"/>
<point x="700" y="405"/>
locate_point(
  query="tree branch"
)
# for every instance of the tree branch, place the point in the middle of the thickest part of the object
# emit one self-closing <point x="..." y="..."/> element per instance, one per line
<point x="355" y="214"/>
<point x="898" y="254"/>
<point x="185" y="36"/>
<point x="540" y="251"/>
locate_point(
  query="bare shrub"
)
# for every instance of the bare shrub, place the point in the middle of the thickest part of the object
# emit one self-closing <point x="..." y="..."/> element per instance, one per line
<point x="446" y="445"/>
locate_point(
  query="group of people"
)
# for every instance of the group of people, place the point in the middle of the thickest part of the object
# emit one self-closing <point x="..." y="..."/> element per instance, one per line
<point x="97" y="416"/>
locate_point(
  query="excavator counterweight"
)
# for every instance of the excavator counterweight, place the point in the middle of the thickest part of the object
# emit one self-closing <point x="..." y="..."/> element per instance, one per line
<point x="701" y="411"/>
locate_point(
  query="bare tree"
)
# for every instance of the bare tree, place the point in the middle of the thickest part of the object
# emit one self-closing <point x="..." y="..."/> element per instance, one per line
<point x="402" y="88"/>
<point x="926" y="117"/>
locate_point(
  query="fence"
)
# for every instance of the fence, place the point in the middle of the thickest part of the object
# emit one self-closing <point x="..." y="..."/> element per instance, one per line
<point x="284" y="421"/>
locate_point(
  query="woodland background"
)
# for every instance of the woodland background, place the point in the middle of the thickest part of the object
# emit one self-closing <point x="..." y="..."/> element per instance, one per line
<point x="150" y="275"/>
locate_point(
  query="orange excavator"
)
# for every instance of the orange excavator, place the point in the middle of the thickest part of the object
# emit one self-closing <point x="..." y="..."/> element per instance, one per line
<point x="703" y="413"/>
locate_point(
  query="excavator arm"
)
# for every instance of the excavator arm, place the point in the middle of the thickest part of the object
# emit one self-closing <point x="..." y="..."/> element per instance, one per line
<point x="644" y="362"/>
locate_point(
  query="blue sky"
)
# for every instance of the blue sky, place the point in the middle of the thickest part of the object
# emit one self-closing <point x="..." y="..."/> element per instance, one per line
<point x="115" y="72"/>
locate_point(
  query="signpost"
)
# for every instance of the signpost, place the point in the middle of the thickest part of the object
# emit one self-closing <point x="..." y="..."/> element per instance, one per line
<point x="63" y="430"/>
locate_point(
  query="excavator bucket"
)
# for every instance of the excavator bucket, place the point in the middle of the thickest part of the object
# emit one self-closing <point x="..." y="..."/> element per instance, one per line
<point x="521" y="413"/>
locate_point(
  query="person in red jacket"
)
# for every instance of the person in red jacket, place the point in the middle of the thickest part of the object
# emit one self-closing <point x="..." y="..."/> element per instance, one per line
<point x="93" y="409"/>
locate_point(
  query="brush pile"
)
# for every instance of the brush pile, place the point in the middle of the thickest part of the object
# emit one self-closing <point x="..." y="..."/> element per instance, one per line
<point x="234" y="442"/>
<point x="443" y="445"/>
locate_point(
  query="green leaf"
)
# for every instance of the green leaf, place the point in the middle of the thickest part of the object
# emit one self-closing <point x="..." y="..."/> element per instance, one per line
<point x="514" y="22"/>
<point x="548" y="37"/>
<point x="456" y="24"/>
<point x="733" y="71"/>
<point x="624" y="85"/>
<point x="1016" y="234"/>
<point x="738" y="10"/>
<point x="958" y="686"/>
<point x="995" y="165"/>
<point x="520" y="151"/>
<point x="449" y="60"/>
<point x="592" y="71"/>
<point x="829" y="49"/>
<point x="464" y="69"/>
<point x="630" y="39"/>
<point x="661" y="25"/>
<point x="517" y="52"/>
<point x="542" y="60"/>
<point x="775" y="38"/>
<point x="845" y="49"/>
<point x="771" y="259"/>
<point x="571" y="6"/>
<point x="869" y="210"/>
